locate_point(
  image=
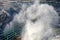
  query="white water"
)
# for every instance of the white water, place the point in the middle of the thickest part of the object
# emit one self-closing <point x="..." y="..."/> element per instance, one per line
<point x="39" y="20"/>
<point x="45" y="17"/>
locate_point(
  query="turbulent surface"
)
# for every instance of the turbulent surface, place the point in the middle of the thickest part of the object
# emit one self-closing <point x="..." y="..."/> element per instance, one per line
<point x="33" y="22"/>
<point x="39" y="23"/>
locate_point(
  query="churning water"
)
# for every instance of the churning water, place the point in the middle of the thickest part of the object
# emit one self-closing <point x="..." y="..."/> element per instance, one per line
<point x="38" y="20"/>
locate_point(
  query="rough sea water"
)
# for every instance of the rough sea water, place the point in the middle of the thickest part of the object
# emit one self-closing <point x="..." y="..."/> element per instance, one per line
<point x="40" y="21"/>
<point x="34" y="22"/>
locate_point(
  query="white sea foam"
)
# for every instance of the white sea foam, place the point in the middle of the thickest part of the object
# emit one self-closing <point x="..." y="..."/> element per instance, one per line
<point x="39" y="20"/>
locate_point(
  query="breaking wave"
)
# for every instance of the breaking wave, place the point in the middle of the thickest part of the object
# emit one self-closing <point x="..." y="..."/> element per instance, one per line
<point x="38" y="21"/>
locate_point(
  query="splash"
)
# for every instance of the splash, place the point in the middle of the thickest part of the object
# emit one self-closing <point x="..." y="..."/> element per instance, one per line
<point x="38" y="21"/>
